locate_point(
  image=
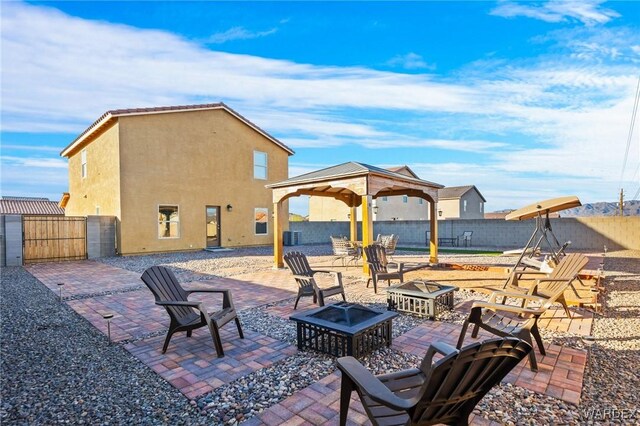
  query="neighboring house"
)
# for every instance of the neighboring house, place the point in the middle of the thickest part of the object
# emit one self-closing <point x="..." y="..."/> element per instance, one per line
<point x="30" y="206"/>
<point x="384" y="208"/>
<point x="404" y="207"/>
<point x="177" y="178"/>
<point x="499" y="214"/>
<point x="460" y="202"/>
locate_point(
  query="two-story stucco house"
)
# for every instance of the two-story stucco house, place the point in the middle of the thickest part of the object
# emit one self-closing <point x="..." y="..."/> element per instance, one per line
<point x="456" y="202"/>
<point x="177" y="178"/>
<point x="460" y="202"/>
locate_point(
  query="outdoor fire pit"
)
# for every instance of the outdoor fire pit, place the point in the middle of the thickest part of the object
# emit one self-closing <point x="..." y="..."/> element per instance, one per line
<point x="423" y="298"/>
<point x="344" y="329"/>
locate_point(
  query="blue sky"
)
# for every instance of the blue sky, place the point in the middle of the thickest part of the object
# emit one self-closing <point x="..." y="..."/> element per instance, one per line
<point x="525" y="100"/>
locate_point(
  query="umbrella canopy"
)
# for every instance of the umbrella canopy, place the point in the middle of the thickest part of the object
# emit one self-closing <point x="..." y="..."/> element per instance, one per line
<point x="542" y="207"/>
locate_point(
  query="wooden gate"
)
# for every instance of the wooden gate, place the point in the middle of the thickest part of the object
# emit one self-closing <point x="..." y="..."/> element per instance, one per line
<point x="54" y="238"/>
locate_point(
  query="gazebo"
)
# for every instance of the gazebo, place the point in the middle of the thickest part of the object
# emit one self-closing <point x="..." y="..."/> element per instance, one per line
<point x="354" y="184"/>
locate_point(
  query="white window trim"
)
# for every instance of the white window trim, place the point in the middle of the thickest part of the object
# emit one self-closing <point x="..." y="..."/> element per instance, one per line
<point x="266" y="165"/>
<point x="179" y="227"/>
<point x="464" y="205"/>
<point x="83" y="164"/>
<point x="255" y="222"/>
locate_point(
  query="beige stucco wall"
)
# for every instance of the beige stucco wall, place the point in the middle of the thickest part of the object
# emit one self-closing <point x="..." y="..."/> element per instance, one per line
<point x="193" y="159"/>
<point x="394" y="208"/>
<point x="454" y="208"/>
<point x="101" y="187"/>
<point x="330" y="209"/>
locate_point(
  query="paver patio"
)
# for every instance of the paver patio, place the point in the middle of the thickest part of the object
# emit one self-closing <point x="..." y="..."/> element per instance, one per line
<point x="191" y="365"/>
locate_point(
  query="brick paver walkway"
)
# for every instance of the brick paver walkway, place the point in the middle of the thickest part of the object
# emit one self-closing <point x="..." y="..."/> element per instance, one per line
<point x="84" y="277"/>
<point x="191" y="365"/>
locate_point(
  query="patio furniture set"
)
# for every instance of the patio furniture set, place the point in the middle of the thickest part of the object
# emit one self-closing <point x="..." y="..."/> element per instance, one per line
<point x="446" y="390"/>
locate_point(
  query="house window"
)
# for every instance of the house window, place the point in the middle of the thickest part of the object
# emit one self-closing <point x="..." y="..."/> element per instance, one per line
<point x="384" y="198"/>
<point x="97" y="210"/>
<point x="259" y="165"/>
<point x="168" y="221"/>
<point x="405" y="199"/>
<point x="261" y="219"/>
<point x="83" y="163"/>
<point x="420" y="201"/>
<point x="481" y="207"/>
<point x="464" y="205"/>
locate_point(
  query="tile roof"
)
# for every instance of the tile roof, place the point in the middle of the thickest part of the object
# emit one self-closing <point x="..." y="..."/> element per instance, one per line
<point x="29" y="205"/>
<point x="457" y="192"/>
<point x="351" y="168"/>
<point x="111" y="114"/>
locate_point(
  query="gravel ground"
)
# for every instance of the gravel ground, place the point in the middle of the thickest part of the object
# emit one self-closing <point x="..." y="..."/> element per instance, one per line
<point x="610" y="394"/>
<point x="57" y="368"/>
<point x="245" y="260"/>
<point x="48" y="378"/>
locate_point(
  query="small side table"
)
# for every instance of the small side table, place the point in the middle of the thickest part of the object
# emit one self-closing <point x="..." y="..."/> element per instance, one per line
<point x="420" y="297"/>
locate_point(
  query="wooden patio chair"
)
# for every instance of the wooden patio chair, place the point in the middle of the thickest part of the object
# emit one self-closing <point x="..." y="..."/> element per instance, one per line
<point x="465" y="238"/>
<point x="379" y="266"/>
<point x="501" y="319"/>
<point x="344" y="250"/>
<point x="445" y="391"/>
<point x="565" y="272"/>
<point x="185" y="315"/>
<point x="307" y="285"/>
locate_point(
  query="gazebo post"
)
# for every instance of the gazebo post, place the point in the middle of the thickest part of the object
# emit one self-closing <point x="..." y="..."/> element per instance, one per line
<point x="278" y="227"/>
<point x="367" y="227"/>
<point x="353" y="224"/>
<point x="433" y="228"/>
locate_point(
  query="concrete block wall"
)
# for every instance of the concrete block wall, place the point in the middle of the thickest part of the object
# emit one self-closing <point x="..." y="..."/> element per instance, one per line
<point x="589" y="233"/>
<point x="319" y="232"/>
<point x="101" y="236"/>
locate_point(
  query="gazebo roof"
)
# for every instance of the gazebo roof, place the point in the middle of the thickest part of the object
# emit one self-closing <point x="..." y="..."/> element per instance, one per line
<point x="355" y="184"/>
<point x="350" y="169"/>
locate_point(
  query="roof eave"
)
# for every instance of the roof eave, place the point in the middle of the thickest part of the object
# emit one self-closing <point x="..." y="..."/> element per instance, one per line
<point x="108" y="116"/>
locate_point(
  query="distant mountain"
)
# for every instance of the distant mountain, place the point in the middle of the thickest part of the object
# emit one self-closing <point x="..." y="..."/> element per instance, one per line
<point x="631" y="208"/>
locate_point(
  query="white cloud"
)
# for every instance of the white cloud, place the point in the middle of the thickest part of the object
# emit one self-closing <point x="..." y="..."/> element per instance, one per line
<point x="18" y="147"/>
<point x="65" y="72"/>
<point x="588" y="12"/>
<point x="46" y="163"/>
<point x="410" y="61"/>
<point x="238" y="33"/>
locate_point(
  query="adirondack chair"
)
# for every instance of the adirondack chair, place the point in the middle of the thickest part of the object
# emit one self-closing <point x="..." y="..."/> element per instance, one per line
<point x="379" y="269"/>
<point x="344" y="250"/>
<point x="307" y="285"/>
<point x="185" y="315"/>
<point x="445" y="391"/>
<point x="501" y="319"/>
<point x="566" y="271"/>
